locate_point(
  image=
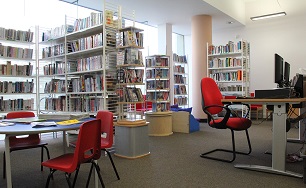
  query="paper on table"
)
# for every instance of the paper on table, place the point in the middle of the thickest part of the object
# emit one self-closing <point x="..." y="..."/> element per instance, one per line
<point x="4" y="124"/>
<point x="69" y="122"/>
<point x="43" y="124"/>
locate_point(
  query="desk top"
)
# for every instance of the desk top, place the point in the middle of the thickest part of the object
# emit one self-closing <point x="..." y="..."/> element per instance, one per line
<point x="267" y="101"/>
<point x="22" y="128"/>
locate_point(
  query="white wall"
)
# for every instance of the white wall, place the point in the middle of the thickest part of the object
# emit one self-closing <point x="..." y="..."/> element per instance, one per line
<point x="283" y="35"/>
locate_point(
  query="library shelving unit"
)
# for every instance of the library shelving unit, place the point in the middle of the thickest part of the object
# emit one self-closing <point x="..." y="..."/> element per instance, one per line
<point x="78" y="64"/>
<point x="158" y="92"/>
<point x="130" y="72"/>
<point x="180" y="79"/>
<point x="229" y="66"/>
<point x="17" y="70"/>
<point x="132" y="140"/>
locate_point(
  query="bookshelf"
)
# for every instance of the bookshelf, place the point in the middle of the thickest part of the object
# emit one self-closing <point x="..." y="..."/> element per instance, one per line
<point x="78" y="64"/>
<point x="158" y="82"/>
<point x="229" y="66"/>
<point x="130" y="72"/>
<point x="180" y="79"/>
<point x="17" y="70"/>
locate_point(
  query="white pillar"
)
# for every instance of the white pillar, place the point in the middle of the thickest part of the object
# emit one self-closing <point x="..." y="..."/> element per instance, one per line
<point x="201" y="29"/>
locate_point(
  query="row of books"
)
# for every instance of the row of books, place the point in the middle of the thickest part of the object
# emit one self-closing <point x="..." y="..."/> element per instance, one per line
<point x="179" y="69"/>
<point x="157" y="61"/>
<point x="181" y="100"/>
<point x="179" y="59"/>
<point x="131" y="38"/>
<point x="224" y="62"/>
<point x="87" y="83"/>
<point x="157" y="73"/>
<point x="161" y="107"/>
<point x="85" y="43"/>
<point x="16" y="52"/>
<point x="16" y="104"/>
<point x="85" y="64"/>
<point x="92" y="20"/>
<point x="129" y="56"/>
<point x="16" y="35"/>
<point x="158" y="84"/>
<point x="55" y="86"/>
<point x="227" y="76"/>
<point x="56" y="32"/>
<point x="16" y="87"/>
<point x="55" y="104"/>
<point x="52" y="51"/>
<point x="179" y="79"/>
<point x="58" y="67"/>
<point x="230" y="47"/>
<point x="85" y="104"/>
<point x="180" y="90"/>
<point x="16" y="70"/>
<point x="130" y="75"/>
<point x="158" y="96"/>
<point x="130" y="94"/>
<point x="231" y="88"/>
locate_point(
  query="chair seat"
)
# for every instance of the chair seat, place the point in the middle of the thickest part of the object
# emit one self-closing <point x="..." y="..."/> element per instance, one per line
<point x="236" y="123"/>
<point x="62" y="163"/>
<point x="27" y="145"/>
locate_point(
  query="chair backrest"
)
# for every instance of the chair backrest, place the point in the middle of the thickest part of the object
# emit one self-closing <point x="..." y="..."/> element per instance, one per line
<point x="88" y="143"/>
<point x="21" y="114"/>
<point x="211" y="95"/>
<point x="107" y="127"/>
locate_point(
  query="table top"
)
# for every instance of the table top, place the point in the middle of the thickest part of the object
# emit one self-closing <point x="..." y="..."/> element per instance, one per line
<point x="23" y="128"/>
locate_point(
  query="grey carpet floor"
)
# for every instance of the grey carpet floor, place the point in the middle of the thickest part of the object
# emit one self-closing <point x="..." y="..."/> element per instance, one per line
<point x="174" y="161"/>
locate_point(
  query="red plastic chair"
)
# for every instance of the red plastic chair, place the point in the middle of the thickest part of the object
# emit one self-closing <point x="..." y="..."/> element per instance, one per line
<point x="21" y="143"/>
<point x="107" y="129"/>
<point x="87" y="150"/>
<point x="212" y="105"/>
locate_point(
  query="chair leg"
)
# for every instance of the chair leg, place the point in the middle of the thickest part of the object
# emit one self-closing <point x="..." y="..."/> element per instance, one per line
<point x="113" y="164"/>
<point x="68" y="179"/>
<point x="89" y="176"/>
<point x="234" y="152"/>
<point x="99" y="173"/>
<point x="75" y="176"/>
<point x="49" y="177"/>
<point x="4" y="166"/>
<point x="42" y="155"/>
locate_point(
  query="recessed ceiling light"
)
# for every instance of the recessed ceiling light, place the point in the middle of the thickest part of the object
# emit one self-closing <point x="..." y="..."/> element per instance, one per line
<point x="230" y="22"/>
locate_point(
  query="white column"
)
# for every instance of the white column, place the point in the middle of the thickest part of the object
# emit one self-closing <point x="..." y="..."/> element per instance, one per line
<point x="201" y="34"/>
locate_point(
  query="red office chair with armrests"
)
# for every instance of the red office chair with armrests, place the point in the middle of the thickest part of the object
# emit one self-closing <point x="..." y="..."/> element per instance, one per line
<point x="212" y="105"/>
<point x="87" y="150"/>
<point x="107" y="129"/>
<point x="21" y="143"/>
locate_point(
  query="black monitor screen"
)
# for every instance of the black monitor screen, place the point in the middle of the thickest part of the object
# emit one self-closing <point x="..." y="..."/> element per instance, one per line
<point x="278" y="70"/>
<point x="287" y="74"/>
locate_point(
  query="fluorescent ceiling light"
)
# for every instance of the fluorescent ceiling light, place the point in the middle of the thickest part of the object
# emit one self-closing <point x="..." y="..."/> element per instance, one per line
<point x="268" y="16"/>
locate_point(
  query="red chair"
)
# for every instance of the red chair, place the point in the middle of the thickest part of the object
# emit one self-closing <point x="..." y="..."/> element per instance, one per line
<point x="212" y="105"/>
<point x="21" y="143"/>
<point x="107" y="129"/>
<point x="87" y="150"/>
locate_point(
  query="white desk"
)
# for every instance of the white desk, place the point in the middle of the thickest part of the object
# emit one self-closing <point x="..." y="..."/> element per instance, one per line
<point x="24" y="129"/>
<point x="279" y="138"/>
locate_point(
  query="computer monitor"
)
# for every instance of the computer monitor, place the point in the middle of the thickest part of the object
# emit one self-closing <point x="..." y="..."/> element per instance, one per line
<point x="287" y="74"/>
<point x="279" y="71"/>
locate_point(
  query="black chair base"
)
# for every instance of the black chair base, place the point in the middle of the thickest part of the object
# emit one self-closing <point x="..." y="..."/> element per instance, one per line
<point x="113" y="164"/>
<point x="234" y="152"/>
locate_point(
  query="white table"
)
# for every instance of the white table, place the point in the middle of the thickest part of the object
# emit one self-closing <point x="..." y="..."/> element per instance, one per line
<point x="24" y="129"/>
<point x="279" y="137"/>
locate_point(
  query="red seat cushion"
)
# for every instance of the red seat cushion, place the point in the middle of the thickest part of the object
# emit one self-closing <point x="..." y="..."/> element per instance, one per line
<point x="236" y="123"/>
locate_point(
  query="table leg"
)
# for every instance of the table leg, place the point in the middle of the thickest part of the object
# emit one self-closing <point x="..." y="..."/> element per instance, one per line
<point x="8" y="162"/>
<point x="64" y="141"/>
<point x="279" y="142"/>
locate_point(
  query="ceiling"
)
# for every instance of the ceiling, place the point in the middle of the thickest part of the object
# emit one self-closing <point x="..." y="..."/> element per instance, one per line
<point x="179" y="13"/>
